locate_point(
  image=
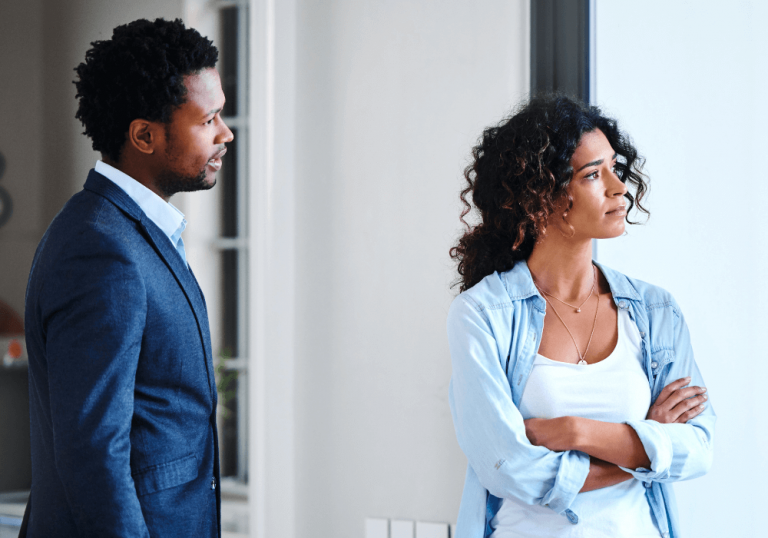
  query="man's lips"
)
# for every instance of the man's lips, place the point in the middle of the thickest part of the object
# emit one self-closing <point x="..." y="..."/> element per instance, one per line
<point x="215" y="161"/>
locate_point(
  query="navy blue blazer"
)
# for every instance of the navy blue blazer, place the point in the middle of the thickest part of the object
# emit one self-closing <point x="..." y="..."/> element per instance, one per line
<point x="122" y="388"/>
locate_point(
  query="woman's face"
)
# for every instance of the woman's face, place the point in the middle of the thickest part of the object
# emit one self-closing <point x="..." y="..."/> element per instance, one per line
<point x="599" y="206"/>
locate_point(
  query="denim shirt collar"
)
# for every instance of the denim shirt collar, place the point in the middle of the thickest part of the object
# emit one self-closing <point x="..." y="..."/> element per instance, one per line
<point x="519" y="284"/>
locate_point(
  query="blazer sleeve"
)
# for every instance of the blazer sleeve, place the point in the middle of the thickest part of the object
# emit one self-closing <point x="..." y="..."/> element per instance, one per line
<point x="93" y="312"/>
<point x="490" y="428"/>
<point x="678" y="451"/>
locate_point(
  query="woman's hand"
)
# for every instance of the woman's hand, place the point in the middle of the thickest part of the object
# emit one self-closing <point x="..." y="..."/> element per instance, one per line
<point x="678" y="403"/>
<point x="558" y="434"/>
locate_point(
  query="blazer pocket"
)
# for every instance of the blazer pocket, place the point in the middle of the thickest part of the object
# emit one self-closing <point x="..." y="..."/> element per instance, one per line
<point x="165" y="475"/>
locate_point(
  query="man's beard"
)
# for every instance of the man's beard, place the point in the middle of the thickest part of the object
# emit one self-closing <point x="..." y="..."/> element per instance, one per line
<point x="170" y="183"/>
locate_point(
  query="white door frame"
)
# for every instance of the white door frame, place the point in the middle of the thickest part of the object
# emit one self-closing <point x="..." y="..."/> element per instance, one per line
<point x="271" y="236"/>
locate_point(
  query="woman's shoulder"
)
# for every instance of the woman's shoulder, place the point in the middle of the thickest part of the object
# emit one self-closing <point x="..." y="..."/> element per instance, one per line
<point x="500" y="289"/>
<point x="487" y="293"/>
<point x="627" y="287"/>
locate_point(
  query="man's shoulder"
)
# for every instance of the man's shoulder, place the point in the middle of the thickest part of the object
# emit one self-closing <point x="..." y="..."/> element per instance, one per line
<point x="88" y="212"/>
<point x="88" y="230"/>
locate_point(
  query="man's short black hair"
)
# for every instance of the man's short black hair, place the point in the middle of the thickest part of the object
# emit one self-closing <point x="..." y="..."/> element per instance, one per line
<point x="139" y="73"/>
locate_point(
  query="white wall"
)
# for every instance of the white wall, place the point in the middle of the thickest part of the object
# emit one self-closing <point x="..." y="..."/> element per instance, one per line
<point x="21" y="130"/>
<point x="391" y="96"/>
<point x="687" y="80"/>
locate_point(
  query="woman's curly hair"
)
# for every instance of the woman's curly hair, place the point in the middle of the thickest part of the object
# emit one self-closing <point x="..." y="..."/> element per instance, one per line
<point x="521" y="170"/>
<point x="139" y="73"/>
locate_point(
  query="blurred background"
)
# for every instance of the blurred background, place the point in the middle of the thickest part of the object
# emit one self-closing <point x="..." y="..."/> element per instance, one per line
<point x="323" y="251"/>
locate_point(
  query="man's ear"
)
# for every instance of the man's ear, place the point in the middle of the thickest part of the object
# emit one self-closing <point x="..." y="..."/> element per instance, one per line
<point x="145" y="135"/>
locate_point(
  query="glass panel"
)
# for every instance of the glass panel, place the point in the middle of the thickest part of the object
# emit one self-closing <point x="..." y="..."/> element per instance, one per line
<point x="229" y="295"/>
<point x="228" y="58"/>
<point x="228" y="185"/>
<point x="228" y="411"/>
<point x="228" y="380"/>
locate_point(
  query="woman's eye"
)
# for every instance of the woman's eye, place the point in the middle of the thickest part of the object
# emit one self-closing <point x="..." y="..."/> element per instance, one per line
<point x="593" y="175"/>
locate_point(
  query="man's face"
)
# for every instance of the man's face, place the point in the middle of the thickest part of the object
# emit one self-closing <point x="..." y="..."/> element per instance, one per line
<point x="195" y="138"/>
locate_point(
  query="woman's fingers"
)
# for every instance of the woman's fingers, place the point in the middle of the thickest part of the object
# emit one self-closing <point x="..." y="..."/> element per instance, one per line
<point x="691" y="413"/>
<point x="677" y="402"/>
<point x="683" y="395"/>
<point x="689" y="408"/>
<point x="667" y="391"/>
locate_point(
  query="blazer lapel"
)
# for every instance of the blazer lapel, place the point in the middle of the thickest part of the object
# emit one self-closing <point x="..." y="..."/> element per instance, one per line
<point x="103" y="186"/>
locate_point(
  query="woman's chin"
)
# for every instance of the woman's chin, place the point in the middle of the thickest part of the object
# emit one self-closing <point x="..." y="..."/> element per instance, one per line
<point x="614" y="231"/>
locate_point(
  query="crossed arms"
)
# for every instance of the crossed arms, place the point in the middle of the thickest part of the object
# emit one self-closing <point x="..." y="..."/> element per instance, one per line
<point x="611" y="445"/>
<point x="550" y="471"/>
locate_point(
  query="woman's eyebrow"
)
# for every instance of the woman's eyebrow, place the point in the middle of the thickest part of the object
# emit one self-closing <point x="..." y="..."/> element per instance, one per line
<point x="596" y="163"/>
<point x="593" y="163"/>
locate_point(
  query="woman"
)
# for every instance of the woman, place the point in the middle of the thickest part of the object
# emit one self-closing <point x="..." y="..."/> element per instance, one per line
<point x="554" y="411"/>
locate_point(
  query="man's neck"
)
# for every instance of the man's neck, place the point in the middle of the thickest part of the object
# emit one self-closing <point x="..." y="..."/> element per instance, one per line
<point x="137" y="173"/>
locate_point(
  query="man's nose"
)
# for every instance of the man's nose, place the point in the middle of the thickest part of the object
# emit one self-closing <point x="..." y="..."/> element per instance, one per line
<point x="225" y="135"/>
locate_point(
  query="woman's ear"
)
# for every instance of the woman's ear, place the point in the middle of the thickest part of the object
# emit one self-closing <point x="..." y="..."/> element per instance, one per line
<point x="563" y="225"/>
<point x="558" y="219"/>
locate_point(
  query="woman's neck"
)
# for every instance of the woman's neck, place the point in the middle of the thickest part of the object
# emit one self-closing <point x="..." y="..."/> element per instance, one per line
<point x="562" y="267"/>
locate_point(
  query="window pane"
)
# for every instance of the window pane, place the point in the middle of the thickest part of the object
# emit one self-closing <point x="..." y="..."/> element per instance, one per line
<point x="228" y="58"/>
<point x="229" y="194"/>
<point x="228" y="380"/>
<point x="229" y="295"/>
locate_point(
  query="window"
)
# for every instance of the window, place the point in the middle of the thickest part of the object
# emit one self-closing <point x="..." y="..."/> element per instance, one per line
<point x="231" y="244"/>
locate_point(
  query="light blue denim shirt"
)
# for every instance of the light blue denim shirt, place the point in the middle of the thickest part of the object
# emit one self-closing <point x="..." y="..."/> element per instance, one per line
<point x="494" y="331"/>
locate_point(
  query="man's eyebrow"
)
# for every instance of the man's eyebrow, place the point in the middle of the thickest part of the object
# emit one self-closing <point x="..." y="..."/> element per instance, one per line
<point x="215" y="111"/>
<point x="596" y="163"/>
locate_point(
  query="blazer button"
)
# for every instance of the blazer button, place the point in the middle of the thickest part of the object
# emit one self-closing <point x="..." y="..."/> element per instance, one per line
<point x="213" y="483"/>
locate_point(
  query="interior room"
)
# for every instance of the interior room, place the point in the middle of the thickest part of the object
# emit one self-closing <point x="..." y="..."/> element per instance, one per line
<point x="323" y="252"/>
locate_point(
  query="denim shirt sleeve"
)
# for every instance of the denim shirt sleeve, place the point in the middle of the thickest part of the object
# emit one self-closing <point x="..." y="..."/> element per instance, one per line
<point x="678" y="451"/>
<point x="490" y="428"/>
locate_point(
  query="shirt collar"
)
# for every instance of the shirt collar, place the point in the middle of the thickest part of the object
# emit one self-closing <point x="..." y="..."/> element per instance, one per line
<point x="619" y="283"/>
<point x="520" y="284"/>
<point x="164" y="214"/>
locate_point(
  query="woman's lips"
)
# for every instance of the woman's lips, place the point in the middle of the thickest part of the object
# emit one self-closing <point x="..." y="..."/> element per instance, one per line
<point x="618" y="212"/>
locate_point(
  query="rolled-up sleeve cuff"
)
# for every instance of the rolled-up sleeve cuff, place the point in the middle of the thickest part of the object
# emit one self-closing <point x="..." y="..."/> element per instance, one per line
<point x="570" y="478"/>
<point x="657" y="446"/>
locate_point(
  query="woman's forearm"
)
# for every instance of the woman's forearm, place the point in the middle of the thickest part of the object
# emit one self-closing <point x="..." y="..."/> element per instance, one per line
<point x="608" y="441"/>
<point x="603" y="474"/>
<point x="611" y="442"/>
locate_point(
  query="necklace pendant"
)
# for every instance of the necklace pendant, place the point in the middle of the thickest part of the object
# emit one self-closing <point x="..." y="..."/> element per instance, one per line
<point x="578" y="310"/>
<point x="581" y="362"/>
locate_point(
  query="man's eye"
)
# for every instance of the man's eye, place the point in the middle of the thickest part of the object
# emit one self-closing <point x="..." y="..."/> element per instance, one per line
<point x="210" y="121"/>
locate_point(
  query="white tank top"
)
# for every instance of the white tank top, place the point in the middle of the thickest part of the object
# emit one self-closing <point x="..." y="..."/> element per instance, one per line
<point x="613" y="390"/>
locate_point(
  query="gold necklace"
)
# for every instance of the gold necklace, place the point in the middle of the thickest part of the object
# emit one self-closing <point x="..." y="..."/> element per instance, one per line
<point x="582" y="361"/>
<point x="577" y="308"/>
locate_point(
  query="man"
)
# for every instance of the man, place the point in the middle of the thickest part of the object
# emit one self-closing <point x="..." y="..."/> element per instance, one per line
<point x="122" y="389"/>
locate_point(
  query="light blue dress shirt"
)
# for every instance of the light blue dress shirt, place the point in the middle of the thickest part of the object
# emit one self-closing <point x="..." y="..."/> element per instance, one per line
<point x="494" y="331"/>
<point x="164" y="214"/>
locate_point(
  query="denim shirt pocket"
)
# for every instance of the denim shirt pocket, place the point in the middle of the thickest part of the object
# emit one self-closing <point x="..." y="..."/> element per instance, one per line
<point x="660" y="359"/>
<point x="165" y="475"/>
